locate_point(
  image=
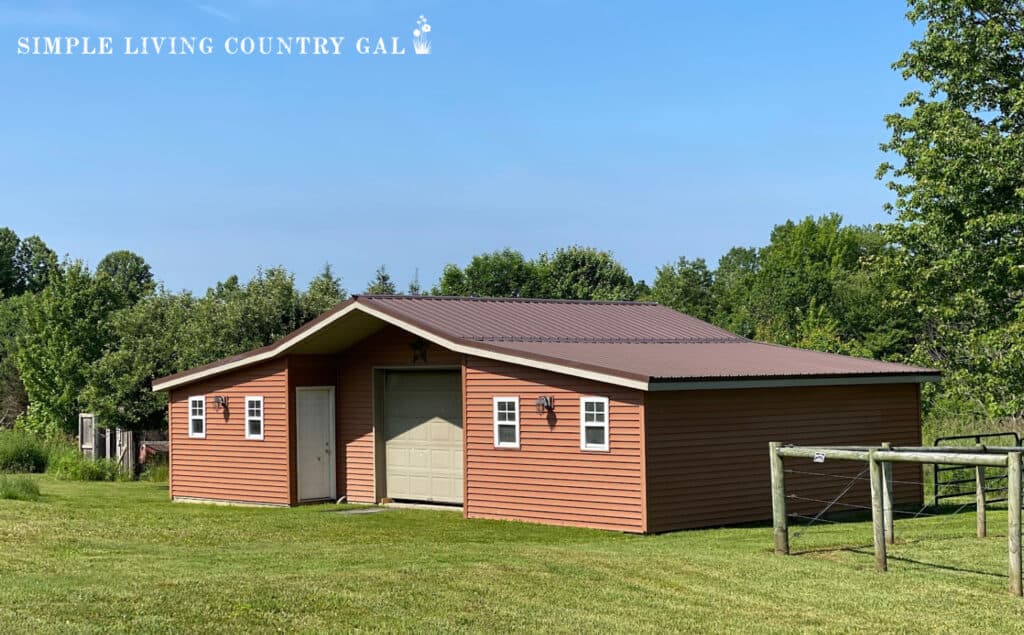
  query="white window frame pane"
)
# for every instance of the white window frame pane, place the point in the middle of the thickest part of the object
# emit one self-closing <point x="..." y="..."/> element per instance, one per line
<point x="248" y="419"/>
<point x="597" y="413"/>
<point x="198" y="399"/>
<point x="506" y="426"/>
<point x="500" y="405"/>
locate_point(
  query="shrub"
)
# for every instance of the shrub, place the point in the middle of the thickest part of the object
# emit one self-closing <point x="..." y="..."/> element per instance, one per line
<point x="20" y="488"/>
<point x="72" y="466"/>
<point x="21" y="452"/>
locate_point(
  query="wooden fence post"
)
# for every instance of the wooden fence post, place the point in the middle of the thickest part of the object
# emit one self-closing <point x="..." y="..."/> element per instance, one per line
<point x="887" y="499"/>
<point x="779" y="500"/>
<point x="1013" y="494"/>
<point x="979" y="498"/>
<point x="877" y="514"/>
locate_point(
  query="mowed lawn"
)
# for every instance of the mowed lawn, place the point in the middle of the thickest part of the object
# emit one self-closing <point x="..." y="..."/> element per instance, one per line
<point x="119" y="557"/>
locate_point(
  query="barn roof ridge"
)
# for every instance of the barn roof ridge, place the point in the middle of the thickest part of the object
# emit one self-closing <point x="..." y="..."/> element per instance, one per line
<point x="610" y="340"/>
<point x="499" y="299"/>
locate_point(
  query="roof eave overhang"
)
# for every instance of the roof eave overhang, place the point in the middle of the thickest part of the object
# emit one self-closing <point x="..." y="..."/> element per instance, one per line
<point x="792" y="382"/>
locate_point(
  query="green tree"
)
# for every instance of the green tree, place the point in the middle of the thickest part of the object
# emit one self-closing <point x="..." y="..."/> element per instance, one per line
<point x="34" y="262"/>
<point x="324" y="291"/>
<point x="584" y="273"/>
<point x="801" y="270"/>
<point x="732" y="287"/>
<point x="958" y="180"/>
<point x="9" y="277"/>
<point x="65" y="330"/>
<point x="13" y="399"/>
<point x="685" y="286"/>
<point x="25" y="267"/>
<point x="499" y="274"/>
<point x="382" y="284"/>
<point x="270" y="307"/>
<point x="165" y="333"/>
<point x="146" y="342"/>
<point x="813" y="285"/>
<point x="414" y="287"/>
<point x="129" y="273"/>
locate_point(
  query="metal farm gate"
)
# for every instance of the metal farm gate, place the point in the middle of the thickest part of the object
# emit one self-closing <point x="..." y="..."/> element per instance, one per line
<point x="956" y="481"/>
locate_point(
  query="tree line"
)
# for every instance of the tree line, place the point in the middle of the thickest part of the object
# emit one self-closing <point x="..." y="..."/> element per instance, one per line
<point x="941" y="284"/>
<point x="92" y="340"/>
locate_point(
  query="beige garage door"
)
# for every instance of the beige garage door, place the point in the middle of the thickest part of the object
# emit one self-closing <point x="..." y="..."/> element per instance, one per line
<point x="423" y="436"/>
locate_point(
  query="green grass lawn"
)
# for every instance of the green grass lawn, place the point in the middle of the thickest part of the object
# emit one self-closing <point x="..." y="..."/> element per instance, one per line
<point x="119" y="557"/>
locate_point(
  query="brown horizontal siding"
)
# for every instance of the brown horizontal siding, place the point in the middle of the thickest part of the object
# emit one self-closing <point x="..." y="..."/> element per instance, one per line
<point x="225" y="465"/>
<point x="549" y="479"/>
<point x="390" y="347"/>
<point x="707" y="451"/>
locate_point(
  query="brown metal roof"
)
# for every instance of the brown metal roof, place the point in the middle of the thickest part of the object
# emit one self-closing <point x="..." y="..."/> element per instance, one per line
<point x="638" y="344"/>
<point x="711" y="361"/>
<point x="515" y="320"/>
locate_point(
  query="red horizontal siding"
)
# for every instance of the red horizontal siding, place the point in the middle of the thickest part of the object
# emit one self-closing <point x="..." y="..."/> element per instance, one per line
<point x="707" y="451"/>
<point x="549" y="479"/>
<point x="225" y="465"/>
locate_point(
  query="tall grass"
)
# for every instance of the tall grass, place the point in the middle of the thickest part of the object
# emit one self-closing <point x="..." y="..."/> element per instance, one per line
<point x="19" y="487"/>
<point x="155" y="471"/>
<point x="936" y="426"/>
<point x="70" y="465"/>
<point x="25" y="452"/>
<point x="21" y="452"/>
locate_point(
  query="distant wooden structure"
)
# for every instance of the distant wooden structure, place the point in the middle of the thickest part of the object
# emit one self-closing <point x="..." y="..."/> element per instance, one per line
<point x="96" y="442"/>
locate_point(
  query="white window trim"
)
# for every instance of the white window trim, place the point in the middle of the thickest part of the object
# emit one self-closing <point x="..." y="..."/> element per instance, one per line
<point x="497" y="443"/>
<point x="263" y="415"/>
<point x="584" y="425"/>
<point x="191" y="434"/>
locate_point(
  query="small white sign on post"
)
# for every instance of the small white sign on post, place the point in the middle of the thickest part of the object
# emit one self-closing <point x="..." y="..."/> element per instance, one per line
<point x="819" y="457"/>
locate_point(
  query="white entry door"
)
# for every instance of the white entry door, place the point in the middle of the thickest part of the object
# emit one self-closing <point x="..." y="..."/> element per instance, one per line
<point x="314" y="420"/>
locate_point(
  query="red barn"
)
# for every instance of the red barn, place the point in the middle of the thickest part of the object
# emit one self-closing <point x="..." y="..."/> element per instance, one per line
<point x="617" y="415"/>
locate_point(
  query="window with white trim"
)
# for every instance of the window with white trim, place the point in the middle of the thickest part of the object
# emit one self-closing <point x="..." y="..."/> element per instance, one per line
<point x="506" y="422"/>
<point x="594" y="423"/>
<point x="197" y="417"/>
<point x="254" y="418"/>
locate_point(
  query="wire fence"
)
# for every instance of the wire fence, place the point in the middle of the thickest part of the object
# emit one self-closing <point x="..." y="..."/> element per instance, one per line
<point x="829" y="505"/>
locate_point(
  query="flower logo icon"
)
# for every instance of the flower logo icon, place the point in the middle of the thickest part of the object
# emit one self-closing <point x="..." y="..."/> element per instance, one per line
<point x="420" y="43"/>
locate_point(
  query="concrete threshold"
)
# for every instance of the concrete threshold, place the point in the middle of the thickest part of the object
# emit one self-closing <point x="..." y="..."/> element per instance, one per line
<point x="433" y="506"/>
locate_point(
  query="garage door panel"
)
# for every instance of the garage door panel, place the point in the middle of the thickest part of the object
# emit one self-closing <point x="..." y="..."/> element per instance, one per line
<point x="423" y="436"/>
<point x="419" y="459"/>
<point x="441" y="460"/>
<point x="441" y="433"/>
<point x="419" y="487"/>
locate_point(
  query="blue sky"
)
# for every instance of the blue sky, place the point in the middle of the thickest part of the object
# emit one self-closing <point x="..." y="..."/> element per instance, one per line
<point x="655" y="130"/>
